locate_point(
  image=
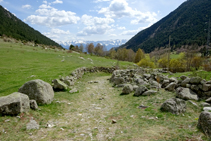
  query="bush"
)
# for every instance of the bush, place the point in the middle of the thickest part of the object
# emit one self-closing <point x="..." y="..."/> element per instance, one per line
<point x="146" y="63"/>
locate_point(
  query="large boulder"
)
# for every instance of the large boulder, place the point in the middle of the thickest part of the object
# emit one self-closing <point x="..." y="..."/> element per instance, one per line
<point x="141" y="89"/>
<point x="195" y="80"/>
<point x="174" y="106"/>
<point x="59" y="85"/>
<point x="204" y="123"/>
<point x="171" y="86"/>
<point x="14" y="104"/>
<point x="206" y="87"/>
<point x="185" y="82"/>
<point x="186" y="94"/>
<point x="128" y="88"/>
<point x="38" y="90"/>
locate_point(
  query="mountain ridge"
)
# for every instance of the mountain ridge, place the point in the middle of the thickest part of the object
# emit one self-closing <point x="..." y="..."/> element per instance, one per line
<point x="185" y="25"/>
<point x="13" y="27"/>
<point x="108" y="43"/>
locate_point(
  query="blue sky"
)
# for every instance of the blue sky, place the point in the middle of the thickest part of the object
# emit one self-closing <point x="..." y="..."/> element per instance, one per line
<point x="95" y="20"/>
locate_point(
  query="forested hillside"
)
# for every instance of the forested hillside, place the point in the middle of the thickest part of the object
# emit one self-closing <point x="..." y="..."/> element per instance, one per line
<point x="13" y="27"/>
<point x="186" y="25"/>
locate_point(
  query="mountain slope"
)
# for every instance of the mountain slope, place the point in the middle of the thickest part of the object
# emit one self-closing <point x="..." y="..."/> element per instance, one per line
<point x="15" y="28"/>
<point x="186" y="25"/>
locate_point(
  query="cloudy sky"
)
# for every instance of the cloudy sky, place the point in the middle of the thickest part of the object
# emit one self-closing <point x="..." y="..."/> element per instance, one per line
<point x="66" y="20"/>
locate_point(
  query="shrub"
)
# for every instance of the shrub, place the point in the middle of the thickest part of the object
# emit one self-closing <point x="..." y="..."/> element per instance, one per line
<point x="146" y="63"/>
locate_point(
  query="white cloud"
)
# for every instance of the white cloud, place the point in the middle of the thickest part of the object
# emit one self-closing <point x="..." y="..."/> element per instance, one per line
<point x="49" y="16"/>
<point x="112" y="35"/>
<point x="89" y="20"/>
<point x="130" y="32"/>
<point x="98" y="29"/>
<point x="121" y="28"/>
<point x="95" y="25"/>
<point x="120" y="8"/>
<point x="45" y="2"/>
<point x="44" y="6"/>
<point x="57" y="1"/>
<point x="57" y="34"/>
<point x="97" y="1"/>
<point x="1" y="0"/>
<point x="27" y="6"/>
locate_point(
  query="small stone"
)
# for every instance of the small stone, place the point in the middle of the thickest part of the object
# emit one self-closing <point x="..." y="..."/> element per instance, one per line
<point x="73" y="91"/>
<point x="62" y="129"/>
<point x="113" y="121"/>
<point x="207" y="109"/>
<point x="32" y="125"/>
<point x="7" y="120"/>
<point x="142" y="107"/>
<point x="30" y="134"/>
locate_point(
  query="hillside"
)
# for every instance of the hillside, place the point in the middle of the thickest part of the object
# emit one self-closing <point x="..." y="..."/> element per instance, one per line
<point x="13" y="27"/>
<point x="186" y="25"/>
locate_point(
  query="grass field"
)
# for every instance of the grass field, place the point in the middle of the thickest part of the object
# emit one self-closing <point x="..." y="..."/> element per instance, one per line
<point x="88" y="114"/>
<point x="20" y="64"/>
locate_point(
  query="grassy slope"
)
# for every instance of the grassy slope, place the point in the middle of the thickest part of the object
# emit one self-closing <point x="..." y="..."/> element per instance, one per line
<point x="76" y="114"/>
<point x="18" y="63"/>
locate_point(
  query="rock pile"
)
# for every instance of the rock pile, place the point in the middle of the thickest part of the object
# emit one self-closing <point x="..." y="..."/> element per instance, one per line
<point x="65" y="82"/>
<point x="186" y="88"/>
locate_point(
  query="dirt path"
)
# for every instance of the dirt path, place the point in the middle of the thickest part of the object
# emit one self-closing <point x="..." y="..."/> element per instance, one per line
<point x="87" y="118"/>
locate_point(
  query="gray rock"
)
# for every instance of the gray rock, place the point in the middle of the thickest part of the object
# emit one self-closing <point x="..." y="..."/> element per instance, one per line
<point x="208" y="100"/>
<point x="140" y="91"/>
<point x="183" y="77"/>
<point x="173" y="79"/>
<point x="147" y="76"/>
<point x="135" y="87"/>
<point x="195" y="80"/>
<point x="171" y="86"/>
<point x="59" y="85"/>
<point x="209" y="82"/>
<point x="194" y="88"/>
<point x="204" y="123"/>
<point x="128" y="88"/>
<point x="69" y="82"/>
<point x="118" y="80"/>
<point x="38" y="90"/>
<point x="32" y="125"/>
<point x="185" y="82"/>
<point x="208" y="109"/>
<point x="204" y="104"/>
<point x="14" y="104"/>
<point x="206" y="87"/>
<point x="33" y="105"/>
<point x="154" y="84"/>
<point x="165" y="83"/>
<point x="73" y="91"/>
<point x="174" y="106"/>
<point x="186" y="94"/>
<point x="149" y="92"/>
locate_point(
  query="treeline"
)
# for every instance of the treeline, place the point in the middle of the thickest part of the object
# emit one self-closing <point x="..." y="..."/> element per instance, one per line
<point x="13" y="27"/>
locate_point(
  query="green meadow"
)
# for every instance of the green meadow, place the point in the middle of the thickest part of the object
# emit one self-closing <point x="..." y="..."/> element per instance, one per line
<point x="87" y="115"/>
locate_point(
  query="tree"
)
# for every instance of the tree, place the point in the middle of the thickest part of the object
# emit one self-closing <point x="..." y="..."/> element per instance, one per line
<point x="81" y="47"/>
<point x="112" y="53"/>
<point x="71" y="47"/>
<point x="130" y="55"/>
<point x="90" y="48"/>
<point x="98" y="50"/>
<point x="139" y="55"/>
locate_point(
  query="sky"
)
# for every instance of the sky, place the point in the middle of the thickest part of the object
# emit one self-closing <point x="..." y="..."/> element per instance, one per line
<point x="90" y="20"/>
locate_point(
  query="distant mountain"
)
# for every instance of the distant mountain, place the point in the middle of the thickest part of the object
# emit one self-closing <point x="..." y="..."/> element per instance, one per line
<point x="13" y="27"/>
<point x="187" y="25"/>
<point x="108" y="44"/>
